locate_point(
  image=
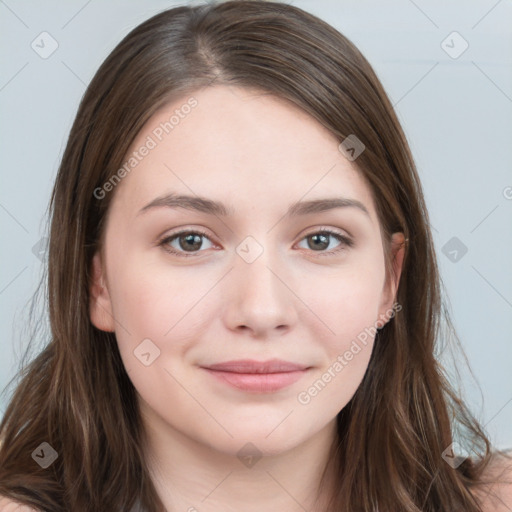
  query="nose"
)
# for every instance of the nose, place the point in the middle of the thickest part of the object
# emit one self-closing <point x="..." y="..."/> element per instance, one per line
<point x="259" y="299"/>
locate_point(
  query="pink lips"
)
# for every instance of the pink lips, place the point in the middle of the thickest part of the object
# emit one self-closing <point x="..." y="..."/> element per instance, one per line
<point x="256" y="376"/>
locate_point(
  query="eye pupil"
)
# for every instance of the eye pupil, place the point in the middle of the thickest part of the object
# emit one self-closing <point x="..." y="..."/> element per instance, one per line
<point x="320" y="241"/>
<point x="190" y="241"/>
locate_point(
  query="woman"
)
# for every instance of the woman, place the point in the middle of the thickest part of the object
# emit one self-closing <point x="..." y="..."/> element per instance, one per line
<point x="243" y="290"/>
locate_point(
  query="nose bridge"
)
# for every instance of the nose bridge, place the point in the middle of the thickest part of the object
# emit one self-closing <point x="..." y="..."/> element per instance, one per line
<point x="260" y="301"/>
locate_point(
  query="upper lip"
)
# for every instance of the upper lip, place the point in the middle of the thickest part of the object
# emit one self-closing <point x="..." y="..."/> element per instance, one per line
<point x="251" y="366"/>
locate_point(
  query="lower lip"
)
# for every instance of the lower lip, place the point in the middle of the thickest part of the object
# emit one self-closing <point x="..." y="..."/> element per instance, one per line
<point x="258" y="382"/>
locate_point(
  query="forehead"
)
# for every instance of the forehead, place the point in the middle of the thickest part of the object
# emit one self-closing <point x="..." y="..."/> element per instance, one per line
<point x="238" y="145"/>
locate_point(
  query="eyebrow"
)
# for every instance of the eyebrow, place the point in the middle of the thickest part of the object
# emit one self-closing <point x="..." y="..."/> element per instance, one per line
<point x="204" y="205"/>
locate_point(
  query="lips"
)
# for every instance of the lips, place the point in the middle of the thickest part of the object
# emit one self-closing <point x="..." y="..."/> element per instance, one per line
<point x="251" y="366"/>
<point x="257" y="376"/>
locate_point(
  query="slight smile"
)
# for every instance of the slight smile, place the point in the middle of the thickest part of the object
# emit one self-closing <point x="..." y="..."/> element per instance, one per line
<point x="257" y="376"/>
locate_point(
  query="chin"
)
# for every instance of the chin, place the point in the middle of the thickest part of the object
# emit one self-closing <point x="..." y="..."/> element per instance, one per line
<point x="253" y="441"/>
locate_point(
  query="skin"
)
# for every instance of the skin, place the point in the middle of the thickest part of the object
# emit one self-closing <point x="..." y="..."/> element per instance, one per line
<point x="258" y="154"/>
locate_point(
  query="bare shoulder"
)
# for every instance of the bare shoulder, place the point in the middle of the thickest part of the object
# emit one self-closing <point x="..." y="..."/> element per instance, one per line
<point x="8" y="505"/>
<point x="497" y="497"/>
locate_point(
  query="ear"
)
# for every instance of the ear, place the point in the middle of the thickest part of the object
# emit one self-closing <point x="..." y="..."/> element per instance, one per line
<point x="397" y="247"/>
<point x="100" y="306"/>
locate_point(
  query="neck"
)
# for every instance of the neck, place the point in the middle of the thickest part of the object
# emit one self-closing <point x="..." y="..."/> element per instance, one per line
<point x="190" y="476"/>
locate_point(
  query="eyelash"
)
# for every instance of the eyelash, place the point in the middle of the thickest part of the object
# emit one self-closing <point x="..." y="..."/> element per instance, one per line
<point x="346" y="242"/>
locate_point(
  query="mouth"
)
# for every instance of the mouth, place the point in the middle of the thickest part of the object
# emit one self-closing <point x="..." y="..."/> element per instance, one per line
<point x="257" y="376"/>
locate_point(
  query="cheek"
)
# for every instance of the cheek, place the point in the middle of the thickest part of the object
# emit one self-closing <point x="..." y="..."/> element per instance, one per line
<point x="347" y="302"/>
<point x="348" y="307"/>
<point x="163" y="307"/>
<point x="153" y="300"/>
<point x="156" y="315"/>
<point x="356" y="317"/>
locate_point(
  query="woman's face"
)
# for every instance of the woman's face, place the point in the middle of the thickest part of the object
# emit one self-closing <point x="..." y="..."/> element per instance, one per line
<point x="250" y="182"/>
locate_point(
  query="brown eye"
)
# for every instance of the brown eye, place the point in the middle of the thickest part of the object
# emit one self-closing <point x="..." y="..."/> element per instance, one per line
<point x="319" y="241"/>
<point x="326" y="239"/>
<point x="191" y="242"/>
<point x="185" y="242"/>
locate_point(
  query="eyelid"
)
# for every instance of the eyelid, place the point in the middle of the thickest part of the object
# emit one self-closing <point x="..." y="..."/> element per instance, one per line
<point x="163" y="241"/>
<point x="326" y="229"/>
<point x="345" y="240"/>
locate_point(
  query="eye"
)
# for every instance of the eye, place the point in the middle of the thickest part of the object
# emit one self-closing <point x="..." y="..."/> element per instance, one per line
<point x="188" y="243"/>
<point x="185" y="242"/>
<point x="319" y="241"/>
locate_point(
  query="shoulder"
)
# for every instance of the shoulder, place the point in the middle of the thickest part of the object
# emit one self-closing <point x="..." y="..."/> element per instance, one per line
<point x="8" y="505"/>
<point x="497" y="495"/>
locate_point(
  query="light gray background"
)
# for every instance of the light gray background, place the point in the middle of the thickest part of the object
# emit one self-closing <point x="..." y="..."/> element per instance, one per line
<point x="456" y="112"/>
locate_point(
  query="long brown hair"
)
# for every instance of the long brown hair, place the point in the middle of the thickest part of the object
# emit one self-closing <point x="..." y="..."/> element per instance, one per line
<point x="76" y="396"/>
